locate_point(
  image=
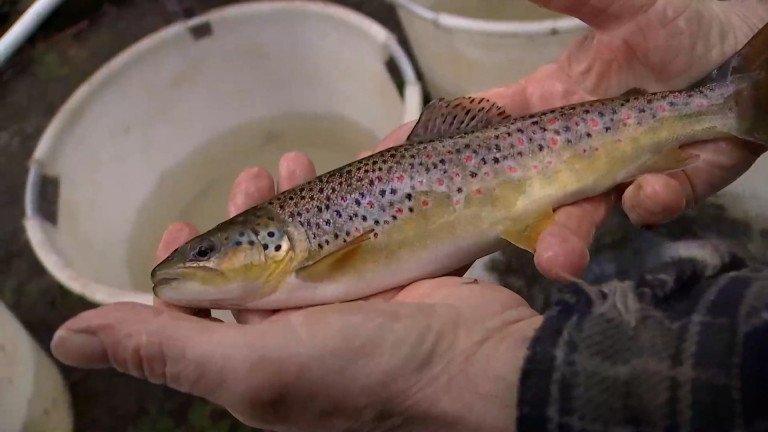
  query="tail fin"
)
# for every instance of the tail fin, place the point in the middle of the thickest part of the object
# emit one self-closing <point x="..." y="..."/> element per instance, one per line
<point x="748" y="68"/>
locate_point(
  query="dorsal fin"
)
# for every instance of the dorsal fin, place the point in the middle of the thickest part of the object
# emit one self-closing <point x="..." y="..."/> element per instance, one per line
<point x="444" y="118"/>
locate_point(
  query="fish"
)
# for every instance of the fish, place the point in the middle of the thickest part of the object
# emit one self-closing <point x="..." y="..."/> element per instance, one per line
<point x="469" y="179"/>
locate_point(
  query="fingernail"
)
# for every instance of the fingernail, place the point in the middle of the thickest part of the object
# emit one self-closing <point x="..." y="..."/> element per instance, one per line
<point x="79" y="349"/>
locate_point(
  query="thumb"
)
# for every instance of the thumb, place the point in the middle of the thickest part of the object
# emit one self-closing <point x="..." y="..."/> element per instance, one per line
<point x="161" y="346"/>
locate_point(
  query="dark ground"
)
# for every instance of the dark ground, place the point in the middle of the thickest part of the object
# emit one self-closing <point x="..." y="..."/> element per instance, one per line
<point x="71" y="45"/>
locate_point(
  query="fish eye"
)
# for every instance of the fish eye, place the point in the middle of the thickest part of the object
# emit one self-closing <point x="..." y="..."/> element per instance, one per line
<point x="203" y="249"/>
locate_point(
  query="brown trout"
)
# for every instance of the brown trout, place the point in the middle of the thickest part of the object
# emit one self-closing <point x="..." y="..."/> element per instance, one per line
<point x="468" y="178"/>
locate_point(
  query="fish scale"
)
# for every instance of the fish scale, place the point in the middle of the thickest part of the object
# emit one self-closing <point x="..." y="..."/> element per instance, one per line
<point x="468" y="178"/>
<point x="377" y="192"/>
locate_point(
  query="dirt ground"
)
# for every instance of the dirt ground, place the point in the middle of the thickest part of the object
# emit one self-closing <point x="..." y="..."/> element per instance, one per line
<point x="75" y="42"/>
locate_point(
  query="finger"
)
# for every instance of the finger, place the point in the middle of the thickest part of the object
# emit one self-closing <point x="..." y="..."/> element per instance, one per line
<point x="251" y="317"/>
<point x="396" y="137"/>
<point x="162" y="347"/>
<point x="364" y="154"/>
<point x="600" y="13"/>
<point x="252" y="187"/>
<point x="294" y="169"/>
<point x="657" y="198"/>
<point x="174" y="236"/>
<point x="563" y="248"/>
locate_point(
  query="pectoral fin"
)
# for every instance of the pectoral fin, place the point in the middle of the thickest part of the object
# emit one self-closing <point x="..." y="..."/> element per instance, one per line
<point x="526" y="235"/>
<point x="328" y="264"/>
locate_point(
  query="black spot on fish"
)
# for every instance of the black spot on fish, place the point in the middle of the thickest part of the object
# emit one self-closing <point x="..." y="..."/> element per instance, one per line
<point x="278" y="247"/>
<point x="483" y="161"/>
<point x="496" y="160"/>
<point x="337" y="213"/>
<point x="238" y="243"/>
<point x="357" y="202"/>
<point x="459" y="190"/>
<point x="327" y="222"/>
<point x="393" y="191"/>
<point x="327" y="242"/>
<point x="540" y="147"/>
<point x="319" y="209"/>
<point x="409" y="196"/>
<point x="265" y="247"/>
<point x="472" y="174"/>
<point x="364" y="218"/>
<point x="442" y="161"/>
<point x="371" y="182"/>
<point x="327" y="206"/>
<point x="336" y="236"/>
<point x="410" y="209"/>
<point x="347" y="233"/>
<point x="320" y="246"/>
<point x="376" y="222"/>
<point x="270" y="234"/>
<point x="607" y="128"/>
<point x="589" y="135"/>
<point x="251" y="243"/>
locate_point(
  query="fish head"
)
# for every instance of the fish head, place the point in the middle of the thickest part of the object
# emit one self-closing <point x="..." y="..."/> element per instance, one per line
<point x="236" y="262"/>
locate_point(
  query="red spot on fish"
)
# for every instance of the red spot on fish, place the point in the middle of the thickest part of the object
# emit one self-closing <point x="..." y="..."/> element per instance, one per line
<point x="551" y="120"/>
<point x="549" y="163"/>
<point x="375" y="235"/>
<point x="440" y="182"/>
<point x="370" y="204"/>
<point x="386" y="222"/>
<point x="398" y="210"/>
<point x="456" y="201"/>
<point x="424" y="203"/>
<point x="379" y="179"/>
<point x="421" y="182"/>
<point x="450" y="152"/>
<point x="478" y="191"/>
<point x="577" y="123"/>
<point x="399" y="178"/>
<point x="596" y="149"/>
<point x="626" y="115"/>
<point x="619" y="140"/>
<point x="456" y="174"/>
<point x="357" y="230"/>
<point x="428" y="155"/>
<point x="534" y="133"/>
<point x="535" y="167"/>
<point x="661" y="108"/>
<point x="468" y="158"/>
<point x="511" y="169"/>
<point x="553" y="141"/>
<point x="520" y="141"/>
<point x="594" y="122"/>
<point x="584" y="150"/>
<point x="487" y="173"/>
<point x="699" y="104"/>
<point x="343" y="198"/>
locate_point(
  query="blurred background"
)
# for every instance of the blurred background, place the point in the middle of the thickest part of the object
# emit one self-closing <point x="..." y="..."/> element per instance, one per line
<point x="97" y="182"/>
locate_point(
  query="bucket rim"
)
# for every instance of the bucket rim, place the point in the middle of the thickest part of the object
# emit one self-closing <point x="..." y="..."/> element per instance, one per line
<point x="492" y="27"/>
<point x="35" y="224"/>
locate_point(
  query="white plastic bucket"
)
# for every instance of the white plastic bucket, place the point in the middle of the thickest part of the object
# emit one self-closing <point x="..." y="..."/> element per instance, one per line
<point x="33" y="395"/>
<point x="466" y="46"/>
<point x="161" y="131"/>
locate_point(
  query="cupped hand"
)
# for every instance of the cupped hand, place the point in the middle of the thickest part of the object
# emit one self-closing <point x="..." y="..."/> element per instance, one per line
<point x="648" y="44"/>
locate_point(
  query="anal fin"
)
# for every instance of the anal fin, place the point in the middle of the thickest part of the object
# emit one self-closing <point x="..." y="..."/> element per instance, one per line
<point x="328" y="264"/>
<point x="670" y="160"/>
<point x="526" y="235"/>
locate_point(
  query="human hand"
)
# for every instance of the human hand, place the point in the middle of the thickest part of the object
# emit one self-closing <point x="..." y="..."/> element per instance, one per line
<point x="439" y="355"/>
<point x="649" y="44"/>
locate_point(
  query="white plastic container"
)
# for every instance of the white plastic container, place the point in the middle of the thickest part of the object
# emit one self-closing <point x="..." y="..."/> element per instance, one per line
<point x="160" y="132"/>
<point x="466" y="46"/>
<point x="33" y="395"/>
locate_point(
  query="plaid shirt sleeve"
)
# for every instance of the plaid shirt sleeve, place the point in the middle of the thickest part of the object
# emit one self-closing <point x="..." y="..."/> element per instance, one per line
<point x="681" y="348"/>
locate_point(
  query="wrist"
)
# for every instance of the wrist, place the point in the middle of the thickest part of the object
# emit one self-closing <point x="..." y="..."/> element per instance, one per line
<point x="477" y="387"/>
